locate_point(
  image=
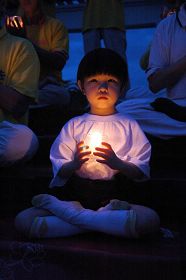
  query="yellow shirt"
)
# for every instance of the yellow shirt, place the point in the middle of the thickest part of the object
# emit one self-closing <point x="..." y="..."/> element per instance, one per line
<point x="51" y="35"/>
<point x="19" y="69"/>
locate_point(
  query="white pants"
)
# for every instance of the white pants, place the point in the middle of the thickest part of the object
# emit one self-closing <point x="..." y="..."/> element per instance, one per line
<point x="137" y="105"/>
<point x="17" y="143"/>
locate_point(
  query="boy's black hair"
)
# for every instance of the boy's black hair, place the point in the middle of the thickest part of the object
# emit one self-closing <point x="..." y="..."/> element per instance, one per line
<point x="103" y="61"/>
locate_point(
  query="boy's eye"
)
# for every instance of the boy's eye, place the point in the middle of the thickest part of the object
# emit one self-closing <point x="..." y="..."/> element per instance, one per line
<point x="112" y="81"/>
<point x="92" y="81"/>
<point x="109" y="81"/>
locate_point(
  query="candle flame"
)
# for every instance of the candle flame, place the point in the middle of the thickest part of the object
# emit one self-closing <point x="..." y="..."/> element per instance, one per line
<point x="14" y="21"/>
<point x="95" y="140"/>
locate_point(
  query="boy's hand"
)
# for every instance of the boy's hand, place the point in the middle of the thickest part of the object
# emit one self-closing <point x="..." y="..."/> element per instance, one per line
<point x="80" y="155"/>
<point x="108" y="157"/>
<point x="15" y="26"/>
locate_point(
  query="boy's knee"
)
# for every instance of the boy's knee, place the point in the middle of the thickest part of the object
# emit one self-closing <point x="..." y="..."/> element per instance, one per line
<point x="147" y="221"/>
<point x="23" y="223"/>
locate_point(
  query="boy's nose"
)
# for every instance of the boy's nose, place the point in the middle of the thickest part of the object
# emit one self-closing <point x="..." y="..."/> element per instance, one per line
<point x="103" y="85"/>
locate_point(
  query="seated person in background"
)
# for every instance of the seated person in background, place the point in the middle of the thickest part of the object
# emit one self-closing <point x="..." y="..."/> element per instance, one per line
<point x="50" y="39"/>
<point x="163" y="114"/>
<point x="167" y="65"/>
<point x="48" y="6"/>
<point x="168" y="9"/>
<point x="95" y="156"/>
<point x="19" y="74"/>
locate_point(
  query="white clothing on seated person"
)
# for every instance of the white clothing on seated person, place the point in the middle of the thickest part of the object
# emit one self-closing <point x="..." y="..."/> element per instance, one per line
<point x="19" y="71"/>
<point x="168" y="46"/>
<point x="17" y="142"/>
<point x="152" y="122"/>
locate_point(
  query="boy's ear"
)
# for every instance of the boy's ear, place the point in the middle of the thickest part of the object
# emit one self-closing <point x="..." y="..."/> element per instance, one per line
<point x="80" y="85"/>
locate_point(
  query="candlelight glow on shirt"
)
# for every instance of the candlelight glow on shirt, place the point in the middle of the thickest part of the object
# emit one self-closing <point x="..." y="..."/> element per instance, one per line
<point x="122" y="133"/>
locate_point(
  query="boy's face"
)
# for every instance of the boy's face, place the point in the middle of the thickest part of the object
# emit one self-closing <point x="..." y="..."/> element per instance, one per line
<point x="102" y="92"/>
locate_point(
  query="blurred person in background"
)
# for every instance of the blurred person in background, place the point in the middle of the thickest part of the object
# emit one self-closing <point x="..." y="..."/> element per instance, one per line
<point x="50" y="39"/>
<point x="19" y="75"/>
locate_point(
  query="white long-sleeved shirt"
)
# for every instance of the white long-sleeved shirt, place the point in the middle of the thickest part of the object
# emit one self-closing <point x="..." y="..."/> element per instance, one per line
<point x="168" y="46"/>
<point x="121" y="132"/>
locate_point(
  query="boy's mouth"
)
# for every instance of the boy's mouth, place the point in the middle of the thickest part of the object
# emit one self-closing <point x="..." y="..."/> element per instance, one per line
<point x="102" y="97"/>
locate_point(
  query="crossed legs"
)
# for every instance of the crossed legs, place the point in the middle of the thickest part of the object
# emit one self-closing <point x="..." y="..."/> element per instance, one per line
<point x="52" y="217"/>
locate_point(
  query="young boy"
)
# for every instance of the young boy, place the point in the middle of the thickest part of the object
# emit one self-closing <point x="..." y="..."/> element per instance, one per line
<point x="87" y="156"/>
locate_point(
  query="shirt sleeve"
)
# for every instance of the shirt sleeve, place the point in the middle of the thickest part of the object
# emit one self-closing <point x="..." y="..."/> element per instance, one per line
<point x="139" y="149"/>
<point x="60" y="41"/>
<point x="62" y="151"/>
<point x="159" y="51"/>
<point x="24" y="75"/>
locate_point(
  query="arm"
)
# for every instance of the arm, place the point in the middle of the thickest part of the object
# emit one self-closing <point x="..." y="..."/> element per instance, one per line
<point x="56" y="53"/>
<point x="55" y="60"/>
<point x="66" y="155"/>
<point x="168" y="76"/>
<point x="13" y="101"/>
<point x="163" y="71"/>
<point x="130" y="170"/>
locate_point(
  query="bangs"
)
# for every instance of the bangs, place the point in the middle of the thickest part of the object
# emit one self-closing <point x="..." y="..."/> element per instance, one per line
<point x="102" y="61"/>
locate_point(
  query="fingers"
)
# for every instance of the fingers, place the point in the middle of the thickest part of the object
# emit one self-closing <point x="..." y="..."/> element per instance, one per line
<point x="102" y="155"/>
<point x="80" y="144"/>
<point x="84" y="154"/>
<point x="102" y="149"/>
<point x="83" y="160"/>
<point x="102" y="161"/>
<point x="106" y="145"/>
<point x="81" y="147"/>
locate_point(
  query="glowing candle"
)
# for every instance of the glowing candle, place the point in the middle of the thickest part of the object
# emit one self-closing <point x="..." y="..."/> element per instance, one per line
<point x="14" y="21"/>
<point x="95" y="140"/>
<point x="19" y="20"/>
